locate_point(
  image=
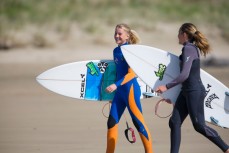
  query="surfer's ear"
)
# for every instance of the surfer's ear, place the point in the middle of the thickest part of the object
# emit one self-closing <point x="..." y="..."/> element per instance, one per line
<point x="128" y="36"/>
<point x="185" y="35"/>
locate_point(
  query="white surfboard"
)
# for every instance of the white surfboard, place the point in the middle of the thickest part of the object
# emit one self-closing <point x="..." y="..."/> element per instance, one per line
<point x="158" y="67"/>
<point x="85" y="80"/>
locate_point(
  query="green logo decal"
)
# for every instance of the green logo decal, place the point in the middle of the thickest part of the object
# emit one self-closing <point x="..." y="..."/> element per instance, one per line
<point x="92" y="67"/>
<point x="161" y="71"/>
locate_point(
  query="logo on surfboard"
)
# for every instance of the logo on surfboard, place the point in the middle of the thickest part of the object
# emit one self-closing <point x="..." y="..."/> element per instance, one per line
<point x="93" y="69"/>
<point x="210" y="98"/>
<point x="161" y="71"/>
<point x="82" y="85"/>
<point x="102" y="66"/>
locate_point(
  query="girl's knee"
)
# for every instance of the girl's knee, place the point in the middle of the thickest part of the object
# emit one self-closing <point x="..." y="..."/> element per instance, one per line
<point x="141" y="128"/>
<point x="136" y="125"/>
<point x="199" y="128"/>
<point x="111" y="122"/>
<point x="173" y="124"/>
<point x="205" y="130"/>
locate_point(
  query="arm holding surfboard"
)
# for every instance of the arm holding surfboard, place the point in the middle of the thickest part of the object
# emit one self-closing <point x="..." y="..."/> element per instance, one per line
<point x="127" y="94"/>
<point x="129" y="76"/>
<point x="191" y="98"/>
<point x="188" y="56"/>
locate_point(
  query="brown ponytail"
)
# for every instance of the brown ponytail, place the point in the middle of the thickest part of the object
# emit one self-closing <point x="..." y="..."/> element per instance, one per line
<point x="196" y="37"/>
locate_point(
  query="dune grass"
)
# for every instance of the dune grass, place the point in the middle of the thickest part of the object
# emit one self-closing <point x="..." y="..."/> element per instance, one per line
<point x="90" y="14"/>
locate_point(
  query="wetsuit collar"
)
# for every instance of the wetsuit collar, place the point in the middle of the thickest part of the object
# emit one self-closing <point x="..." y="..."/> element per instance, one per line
<point x="124" y="44"/>
<point x="187" y="42"/>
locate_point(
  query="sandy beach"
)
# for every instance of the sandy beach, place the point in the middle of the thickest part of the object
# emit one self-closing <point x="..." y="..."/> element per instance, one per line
<point x="35" y="120"/>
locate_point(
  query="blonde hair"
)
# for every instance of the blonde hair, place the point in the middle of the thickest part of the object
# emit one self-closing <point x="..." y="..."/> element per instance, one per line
<point x="134" y="38"/>
<point x="196" y="37"/>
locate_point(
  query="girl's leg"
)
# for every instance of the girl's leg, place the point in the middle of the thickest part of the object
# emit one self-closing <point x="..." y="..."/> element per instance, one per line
<point x="134" y="107"/>
<point x="117" y="109"/>
<point x="196" y="111"/>
<point x="112" y="136"/>
<point x="179" y="114"/>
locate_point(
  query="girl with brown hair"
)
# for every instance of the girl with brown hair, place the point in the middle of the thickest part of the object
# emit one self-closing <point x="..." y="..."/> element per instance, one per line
<point x="191" y="98"/>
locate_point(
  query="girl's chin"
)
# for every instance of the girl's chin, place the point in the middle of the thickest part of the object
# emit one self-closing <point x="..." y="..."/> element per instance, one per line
<point x="119" y="42"/>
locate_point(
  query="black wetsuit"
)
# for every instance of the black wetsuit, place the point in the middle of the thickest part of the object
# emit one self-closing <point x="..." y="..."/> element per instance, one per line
<point x="190" y="100"/>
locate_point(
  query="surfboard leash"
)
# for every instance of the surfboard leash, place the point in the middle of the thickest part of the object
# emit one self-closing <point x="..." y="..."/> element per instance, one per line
<point x="128" y="129"/>
<point x="109" y="103"/>
<point x="157" y="107"/>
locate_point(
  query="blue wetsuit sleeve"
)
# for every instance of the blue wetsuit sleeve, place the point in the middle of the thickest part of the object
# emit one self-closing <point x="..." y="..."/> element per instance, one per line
<point x="189" y="53"/>
<point x="129" y="76"/>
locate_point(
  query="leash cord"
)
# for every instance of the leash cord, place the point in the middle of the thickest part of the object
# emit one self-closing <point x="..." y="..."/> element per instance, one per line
<point x="127" y="129"/>
<point x="157" y="107"/>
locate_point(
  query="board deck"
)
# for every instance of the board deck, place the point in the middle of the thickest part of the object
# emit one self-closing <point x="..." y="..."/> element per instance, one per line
<point x="85" y="80"/>
<point x="158" y="67"/>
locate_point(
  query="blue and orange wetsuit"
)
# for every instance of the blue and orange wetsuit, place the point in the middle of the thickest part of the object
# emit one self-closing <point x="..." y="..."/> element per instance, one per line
<point x="127" y="95"/>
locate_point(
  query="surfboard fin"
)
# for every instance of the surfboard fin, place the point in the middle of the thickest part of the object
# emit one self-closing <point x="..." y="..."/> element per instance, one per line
<point x="215" y="121"/>
<point x="150" y="94"/>
<point x="227" y="93"/>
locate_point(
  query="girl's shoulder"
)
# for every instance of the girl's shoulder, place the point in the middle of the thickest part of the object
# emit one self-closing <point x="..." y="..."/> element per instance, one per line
<point x="190" y="47"/>
<point x="117" y="49"/>
<point x="190" y="50"/>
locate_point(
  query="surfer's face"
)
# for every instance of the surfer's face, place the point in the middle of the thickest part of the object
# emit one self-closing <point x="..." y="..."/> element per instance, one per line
<point x="121" y="36"/>
<point x="182" y="37"/>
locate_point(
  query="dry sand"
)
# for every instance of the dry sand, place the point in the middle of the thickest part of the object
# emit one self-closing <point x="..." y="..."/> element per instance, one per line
<point x="35" y="120"/>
